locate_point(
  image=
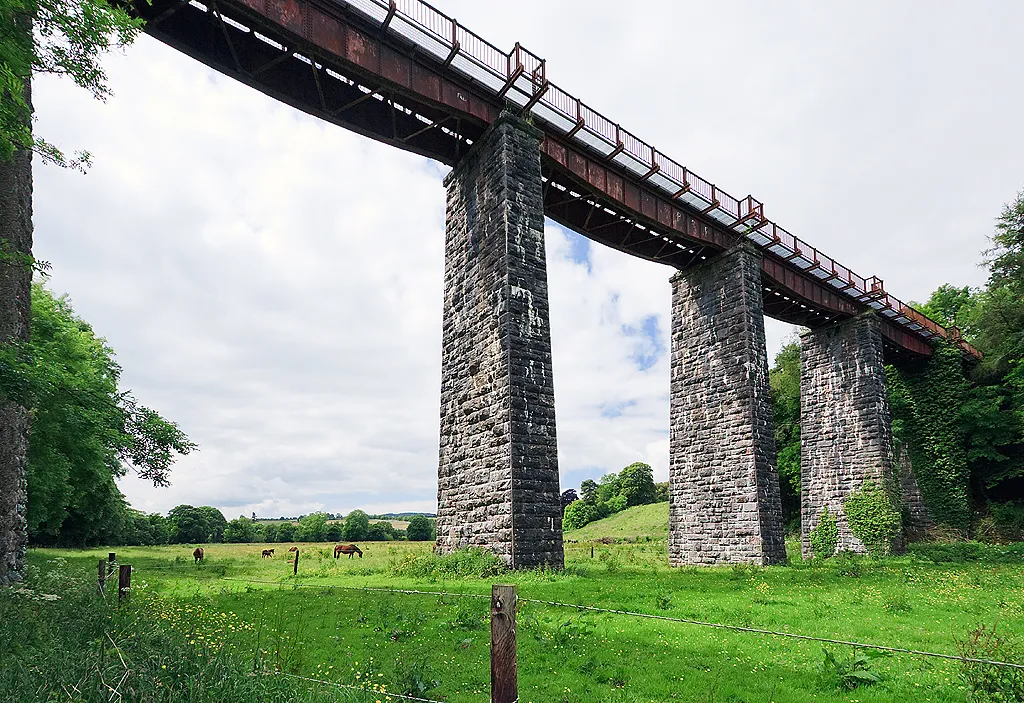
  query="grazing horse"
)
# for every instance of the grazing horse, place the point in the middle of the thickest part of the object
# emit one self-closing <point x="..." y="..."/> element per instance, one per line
<point x="267" y="553"/>
<point x="293" y="549"/>
<point x="198" y="554"/>
<point x="349" y="549"/>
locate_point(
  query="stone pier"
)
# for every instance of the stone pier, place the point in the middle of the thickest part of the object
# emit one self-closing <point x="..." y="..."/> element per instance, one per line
<point x="723" y="479"/>
<point x="845" y="426"/>
<point x="498" y="469"/>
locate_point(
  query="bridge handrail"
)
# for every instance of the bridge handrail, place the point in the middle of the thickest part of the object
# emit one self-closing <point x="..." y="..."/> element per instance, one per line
<point x="745" y="216"/>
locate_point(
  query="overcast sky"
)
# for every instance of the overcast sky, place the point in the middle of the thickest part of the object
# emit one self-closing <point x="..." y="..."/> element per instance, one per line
<point x="273" y="283"/>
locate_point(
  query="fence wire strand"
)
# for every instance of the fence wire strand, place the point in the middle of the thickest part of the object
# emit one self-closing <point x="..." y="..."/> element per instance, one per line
<point x="759" y="631"/>
<point x="386" y="694"/>
<point x="648" y="616"/>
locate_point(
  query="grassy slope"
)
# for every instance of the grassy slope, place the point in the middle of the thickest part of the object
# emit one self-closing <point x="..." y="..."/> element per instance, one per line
<point x="641" y="521"/>
<point x="566" y="655"/>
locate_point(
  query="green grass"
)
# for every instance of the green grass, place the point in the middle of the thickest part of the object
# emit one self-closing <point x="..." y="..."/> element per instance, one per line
<point x="315" y="625"/>
<point x="641" y="521"/>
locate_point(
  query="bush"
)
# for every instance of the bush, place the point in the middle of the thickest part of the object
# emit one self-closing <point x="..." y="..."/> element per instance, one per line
<point x="357" y="525"/>
<point x="419" y="529"/>
<point x="989" y="683"/>
<point x="578" y="514"/>
<point x="872" y="518"/>
<point x="825" y="536"/>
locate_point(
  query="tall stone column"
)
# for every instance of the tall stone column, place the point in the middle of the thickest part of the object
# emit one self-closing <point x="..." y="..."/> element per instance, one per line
<point x="724" y="505"/>
<point x="845" y="426"/>
<point x="497" y="483"/>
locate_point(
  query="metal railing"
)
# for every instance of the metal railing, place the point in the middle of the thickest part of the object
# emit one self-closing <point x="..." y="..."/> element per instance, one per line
<point x="520" y="76"/>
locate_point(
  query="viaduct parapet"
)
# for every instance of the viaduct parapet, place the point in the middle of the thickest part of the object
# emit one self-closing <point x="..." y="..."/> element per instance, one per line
<point x="498" y="469"/>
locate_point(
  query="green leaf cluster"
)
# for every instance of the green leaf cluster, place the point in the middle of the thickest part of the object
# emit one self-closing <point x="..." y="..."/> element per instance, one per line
<point x="784" y="382"/>
<point x="69" y="38"/>
<point x="85" y="432"/>
<point x="824" y="537"/>
<point x="873" y="518"/>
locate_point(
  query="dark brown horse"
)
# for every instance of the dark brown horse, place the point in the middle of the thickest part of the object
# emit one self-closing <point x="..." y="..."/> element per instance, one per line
<point x="198" y="554"/>
<point x="349" y="549"/>
<point x="267" y="553"/>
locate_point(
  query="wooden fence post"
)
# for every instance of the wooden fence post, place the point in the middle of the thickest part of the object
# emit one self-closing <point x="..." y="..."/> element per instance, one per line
<point x="101" y="576"/>
<point x="124" y="582"/>
<point x="504" y="676"/>
<point x="295" y="569"/>
<point x="111" y="560"/>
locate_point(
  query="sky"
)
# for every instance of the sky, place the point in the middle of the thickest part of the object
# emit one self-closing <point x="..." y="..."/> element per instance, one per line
<point x="273" y="283"/>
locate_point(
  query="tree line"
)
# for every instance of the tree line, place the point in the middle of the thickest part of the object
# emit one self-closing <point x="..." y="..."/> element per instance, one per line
<point x="187" y="524"/>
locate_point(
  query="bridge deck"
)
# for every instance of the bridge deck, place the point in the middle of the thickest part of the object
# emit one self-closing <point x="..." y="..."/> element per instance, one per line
<point x="406" y="74"/>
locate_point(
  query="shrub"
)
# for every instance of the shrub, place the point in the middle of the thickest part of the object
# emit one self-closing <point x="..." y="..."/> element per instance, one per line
<point x="419" y="529"/>
<point x="872" y="518"/>
<point x="989" y="683"/>
<point x="578" y="514"/>
<point x="825" y="536"/>
<point x="850" y="673"/>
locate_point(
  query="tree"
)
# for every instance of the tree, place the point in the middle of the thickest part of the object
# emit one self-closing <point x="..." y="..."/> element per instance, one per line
<point x="86" y="432"/>
<point x="270" y="532"/>
<point x="636" y="484"/>
<point x="357" y="525"/>
<point x="784" y="382"/>
<point x="216" y="523"/>
<point x="578" y="514"/>
<point x="661" y="493"/>
<point x="191" y="525"/>
<point x="286" y="532"/>
<point x="568" y="497"/>
<point x="588" y="491"/>
<point x="419" y="529"/>
<point x="242" y="529"/>
<point x="70" y="36"/>
<point x="313" y="527"/>
<point x="333" y="531"/>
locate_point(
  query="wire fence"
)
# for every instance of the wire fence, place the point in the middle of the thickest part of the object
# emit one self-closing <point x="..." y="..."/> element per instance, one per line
<point x="504" y="602"/>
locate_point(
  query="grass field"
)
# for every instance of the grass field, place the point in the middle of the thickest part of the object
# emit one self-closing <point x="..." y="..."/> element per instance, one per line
<point x="319" y="625"/>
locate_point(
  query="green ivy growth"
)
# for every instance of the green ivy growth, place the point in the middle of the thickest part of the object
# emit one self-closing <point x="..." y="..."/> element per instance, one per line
<point x="825" y="536"/>
<point x="872" y="518"/>
<point x="925" y="402"/>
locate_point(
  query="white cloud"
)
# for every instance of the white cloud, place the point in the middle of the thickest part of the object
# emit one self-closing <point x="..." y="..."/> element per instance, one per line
<point x="274" y="283"/>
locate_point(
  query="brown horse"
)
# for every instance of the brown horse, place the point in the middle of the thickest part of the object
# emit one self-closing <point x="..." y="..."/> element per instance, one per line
<point x="293" y="549"/>
<point x="198" y="554"/>
<point x="267" y="553"/>
<point x="349" y="549"/>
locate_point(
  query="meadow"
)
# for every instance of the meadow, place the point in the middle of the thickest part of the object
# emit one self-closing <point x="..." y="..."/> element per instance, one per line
<point x="323" y="624"/>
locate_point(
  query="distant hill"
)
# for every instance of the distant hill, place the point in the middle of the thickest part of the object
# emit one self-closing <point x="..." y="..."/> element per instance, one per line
<point x="641" y="521"/>
<point x="403" y="516"/>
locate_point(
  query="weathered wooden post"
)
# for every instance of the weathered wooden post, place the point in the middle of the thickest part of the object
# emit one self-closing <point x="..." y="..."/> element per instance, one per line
<point x="295" y="567"/>
<point x="124" y="583"/>
<point x="504" y="675"/>
<point x="111" y="561"/>
<point x="101" y="576"/>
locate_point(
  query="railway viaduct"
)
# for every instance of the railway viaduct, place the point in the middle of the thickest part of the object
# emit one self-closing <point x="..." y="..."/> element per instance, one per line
<point x="521" y="148"/>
